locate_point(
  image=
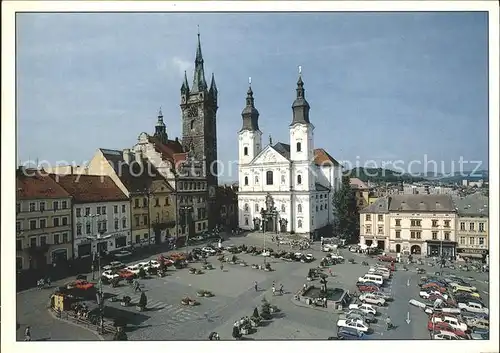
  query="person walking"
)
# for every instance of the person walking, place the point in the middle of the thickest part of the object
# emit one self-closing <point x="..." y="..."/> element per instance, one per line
<point x="27" y="334"/>
<point x="221" y="266"/>
<point x="388" y="322"/>
<point x="281" y="289"/>
<point x="256" y="286"/>
<point x="274" y="290"/>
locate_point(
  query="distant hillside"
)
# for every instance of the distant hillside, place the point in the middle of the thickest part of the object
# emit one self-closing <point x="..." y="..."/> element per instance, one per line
<point x="458" y="177"/>
<point x="378" y="175"/>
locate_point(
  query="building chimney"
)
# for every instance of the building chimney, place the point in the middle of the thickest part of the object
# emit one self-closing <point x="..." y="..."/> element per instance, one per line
<point x="126" y="155"/>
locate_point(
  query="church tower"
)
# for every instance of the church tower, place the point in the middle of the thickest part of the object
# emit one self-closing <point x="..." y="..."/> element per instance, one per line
<point x="199" y="111"/>
<point x="250" y="137"/>
<point x="161" y="129"/>
<point x="301" y="140"/>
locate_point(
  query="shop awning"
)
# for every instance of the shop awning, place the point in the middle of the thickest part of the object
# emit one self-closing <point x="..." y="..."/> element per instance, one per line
<point x="476" y="256"/>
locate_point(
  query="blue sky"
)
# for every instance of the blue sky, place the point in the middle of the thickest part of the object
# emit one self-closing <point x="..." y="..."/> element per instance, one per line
<point x="381" y="86"/>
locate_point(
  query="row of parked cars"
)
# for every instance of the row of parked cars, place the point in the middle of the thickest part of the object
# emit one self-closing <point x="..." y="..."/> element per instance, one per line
<point x="455" y="307"/>
<point x="355" y="324"/>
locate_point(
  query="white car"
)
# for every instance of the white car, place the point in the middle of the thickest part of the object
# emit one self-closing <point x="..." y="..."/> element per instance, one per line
<point x="329" y="247"/>
<point x="266" y="253"/>
<point x="208" y="250"/>
<point x="473" y="307"/>
<point x="380" y="272"/>
<point x="134" y="268"/>
<point x="337" y="257"/>
<point x="426" y="295"/>
<point x="358" y="325"/>
<point x="453" y="321"/>
<point x="444" y="335"/>
<point x="109" y="274"/>
<point x="366" y="308"/>
<point x="309" y="257"/>
<point x="122" y="253"/>
<point x="150" y="264"/>
<point x="372" y="299"/>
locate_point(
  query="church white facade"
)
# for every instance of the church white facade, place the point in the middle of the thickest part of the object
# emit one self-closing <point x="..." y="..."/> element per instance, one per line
<point x="285" y="188"/>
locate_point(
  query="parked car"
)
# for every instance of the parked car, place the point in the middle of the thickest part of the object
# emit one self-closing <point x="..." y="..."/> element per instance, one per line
<point x="349" y="333"/>
<point x="329" y="247"/>
<point x="134" y="268"/>
<point x="473" y="307"/>
<point x="465" y="287"/>
<point x="433" y="285"/>
<point x="367" y="308"/>
<point x="475" y="322"/>
<point x="110" y="274"/>
<point x="453" y="321"/>
<point x="427" y="294"/>
<point x="368" y="288"/>
<point x="383" y="295"/>
<point x="444" y="335"/>
<point x="126" y="274"/>
<point x="209" y="251"/>
<point x="360" y="315"/>
<point x="480" y="336"/>
<point x="121" y="254"/>
<point x="371" y="299"/>
<point x="444" y="326"/>
<point x="354" y="324"/>
<point x="385" y="258"/>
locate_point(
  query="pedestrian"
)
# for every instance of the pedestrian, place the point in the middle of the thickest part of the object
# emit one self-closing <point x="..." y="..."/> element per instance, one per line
<point x="281" y="289"/>
<point x="388" y="323"/>
<point x="324" y="302"/>
<point x="27" y="334"/>
<point x="274" y="290"/>
<point x="222" y="266"/>
<point x="330" y="272"/>
<point x="256" y="286"/>
<point x="305" y="286"/>
<point x="206" y="316"/>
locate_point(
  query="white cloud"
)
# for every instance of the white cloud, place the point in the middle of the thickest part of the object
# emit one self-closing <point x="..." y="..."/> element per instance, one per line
<point x="181" y="65"/>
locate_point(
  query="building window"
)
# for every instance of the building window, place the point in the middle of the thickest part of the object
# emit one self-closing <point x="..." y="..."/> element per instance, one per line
<point x="19" y="244"/>
<point x="256" y="179"/>
<point x="65" y="238"/>
<point x="380" y="230"/>
<point x="87" y="228"/>
<point x="434" y="223"/>
<point x="368" y="229"/>
<point x="33" y="224"/>
<point x="283" y="208"/>
<point x="99" y="210"/>
<point x="419" y="234"/>
<point x="398" y="234"/>
<point x="317" y="208"/>
<point x="124" y="223"/>
<point x="145" y="202"/>
<point x="368" y="217"/>
<point x="79" y="229"/>
<point x="115" y="209"/>
<point x="32" y="207"/>
<point x="56" y="205"/>
<point x="299" y="179"/>
<point x="246" y="221"/>
<point x="78" y="212"/>
<point x="87" y="211"/>
<point x="42" y="206"/>
<point x="398" y="223"/>
<point x="65" y="221"/>
<point x="416" y="223"/>
<point x="43" y="223"/>
<point x="55" y="221"/>
<point x="447" y="224"/>
<point x="56" y="239"/>
<point x="124" y="208"/>
<point x="246" y="181"/>
<point x="137" y="221"/>
<point x="116" y="224"/>
<point x="446" y="235"/>
<point x="246" y="208"/>
<point x="462" y="240"/>
<point x="481" y="241"/>
<point x="18" y="226"/>
<point x="299" y="208"/>
<point x="283" y="179"/>
<point x="471" y="241"/>
<point x="145" y="219"/>
<point x="412" y="235"/>
<point x="43" y="240"/>
<point x="269" y="177"/>
<point x="299" y="225"/>
<point x="462" y="225"/>
<point x="245" y="151"/>
<point x="33" y="242"/>
<point x="380" y="218"/>
<point x="471" y="226"/>
<point x="434" y="235"/>
<point x="481" y="227"/>
<point x="256" y="207"/>
<point x="103" y="210"/>
<point x="136" y="203"/>
<point x="64" y="205"/>
<point x="299" y="147"/>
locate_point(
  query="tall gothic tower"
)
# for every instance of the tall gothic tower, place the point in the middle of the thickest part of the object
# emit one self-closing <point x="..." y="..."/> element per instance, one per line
<point x="199" y="131"/>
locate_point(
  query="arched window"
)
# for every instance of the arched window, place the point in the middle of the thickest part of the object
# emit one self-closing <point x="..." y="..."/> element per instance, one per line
<point x="246" y="207"/>
<point x="245" y="151"/>
<point x="283" y="209"/>
<point x="269" y="177"/>
<point x="299" y="179"/>
<point x="300" y="223"/>
<point x="246" y="221"/>
<point x="256" y="179"/>
<point x="246" y="180"/>
<point x="192" y="124"/>
<point x="299" y="208"/>
<point x="299" y="147"/>
<point x="256" y="207"/>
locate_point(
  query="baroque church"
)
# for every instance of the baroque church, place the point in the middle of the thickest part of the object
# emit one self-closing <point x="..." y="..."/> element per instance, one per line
<point x="285" y="187"/>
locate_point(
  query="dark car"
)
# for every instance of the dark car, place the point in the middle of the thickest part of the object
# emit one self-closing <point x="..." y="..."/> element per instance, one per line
<point x="347" y="333"/>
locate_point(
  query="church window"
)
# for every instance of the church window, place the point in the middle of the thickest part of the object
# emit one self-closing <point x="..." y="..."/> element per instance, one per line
<point x="246" y="207"/>
<point x="283" y="209"/>
<point x="246" y="221"/>
<point x="269" y="177"/>
<point x="299" y="179"/>
<point x="256" y="207"/>
<point x="256" y="179"/>
<point x="299" y="208"/>
<point x="192" y="124"/>
<point x="299" y="147"/>
<point x="246" y="180"/>
<point x="283" y="179"/>
<point x="300" y="223"/>
<point x="245" y="151"/>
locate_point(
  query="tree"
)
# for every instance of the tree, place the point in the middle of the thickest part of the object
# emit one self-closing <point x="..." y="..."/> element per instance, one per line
<point x="346" y="213"/>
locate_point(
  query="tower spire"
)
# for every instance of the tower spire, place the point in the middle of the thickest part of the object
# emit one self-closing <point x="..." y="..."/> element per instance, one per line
<point x="300" y="106"/>
<point x="185" y="84"/>
<point x="199" y="82"/>
<point x="250" y="114"/>
<point x="160" y="128"/>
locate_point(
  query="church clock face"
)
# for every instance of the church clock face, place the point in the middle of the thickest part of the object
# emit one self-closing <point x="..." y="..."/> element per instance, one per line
<point x="192" y="112"/>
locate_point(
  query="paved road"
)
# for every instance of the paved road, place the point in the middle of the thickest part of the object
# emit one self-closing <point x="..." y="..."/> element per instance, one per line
<point x="234" y="298"/>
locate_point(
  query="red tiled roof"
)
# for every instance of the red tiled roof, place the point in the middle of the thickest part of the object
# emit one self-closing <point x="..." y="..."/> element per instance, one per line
<point x="90" y="188"/>
<point x="33" y="184"/>
<point x="171" y="151"/>
<point x="321" y="157"/>
<point x="357" y="183"/>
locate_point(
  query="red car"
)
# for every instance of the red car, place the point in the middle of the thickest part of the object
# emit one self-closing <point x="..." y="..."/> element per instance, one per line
<point x="168" y="262"/>
<point x="443" y="326"/>
<point x="126" y="274"/>
<point x="386" y="258"/>
<point x="368" y="289"/>
<point x="434" y="286"/>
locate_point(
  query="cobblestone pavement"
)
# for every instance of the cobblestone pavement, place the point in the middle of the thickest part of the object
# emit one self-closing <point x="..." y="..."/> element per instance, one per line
<point x="235" y="297"/>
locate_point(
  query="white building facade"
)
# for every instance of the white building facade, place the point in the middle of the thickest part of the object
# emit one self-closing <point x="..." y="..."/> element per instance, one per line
<point x="285" y="187"/>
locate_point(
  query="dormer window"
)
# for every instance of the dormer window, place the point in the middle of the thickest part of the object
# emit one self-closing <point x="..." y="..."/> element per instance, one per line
<point x="299" y="147"/>
<point x="245" y="151"/>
